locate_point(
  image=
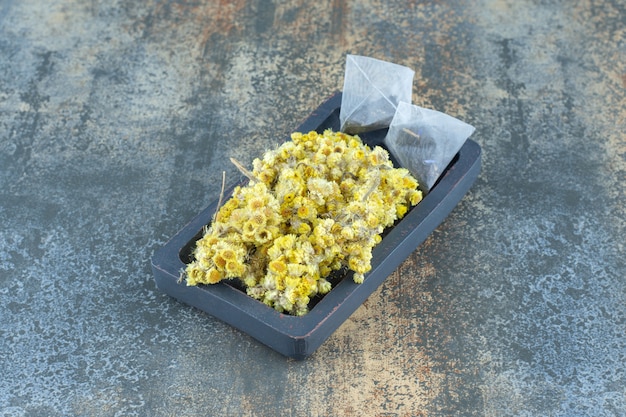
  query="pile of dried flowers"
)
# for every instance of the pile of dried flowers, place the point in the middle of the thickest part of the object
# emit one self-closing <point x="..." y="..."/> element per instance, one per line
<point x="314" y="205"/>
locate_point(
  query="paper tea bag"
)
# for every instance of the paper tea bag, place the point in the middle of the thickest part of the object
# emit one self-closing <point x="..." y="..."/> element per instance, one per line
<point x="372" y="90"/>
<point x="424" y="141"/>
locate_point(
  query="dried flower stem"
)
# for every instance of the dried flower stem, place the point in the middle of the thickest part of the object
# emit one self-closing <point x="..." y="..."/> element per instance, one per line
<point x="244" y="171"/>
<point x="219" y="202"/>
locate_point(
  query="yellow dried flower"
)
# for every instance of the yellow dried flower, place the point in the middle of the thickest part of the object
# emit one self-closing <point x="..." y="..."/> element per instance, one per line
<point x="262" y="236"/>
<point x="219" y="261"/>
<point x="304" y="212"/>
<point x="213" y="276"/>
<point x="195" y="274"/>
<point x="277" y="266"/>
<point x="256" y="204"/>
<point x="228" y="254"/>
<point x="304" y="229"/>
<point x="358" y="278"/>
<point x="401" y="210"/>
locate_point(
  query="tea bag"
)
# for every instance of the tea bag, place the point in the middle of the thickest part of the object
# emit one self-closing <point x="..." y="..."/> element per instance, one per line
<point x="372" y="90"/>
<point x="425" y="141"/>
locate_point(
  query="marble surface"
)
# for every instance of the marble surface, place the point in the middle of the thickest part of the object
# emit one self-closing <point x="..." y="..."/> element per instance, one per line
<point x="118" y="118"/>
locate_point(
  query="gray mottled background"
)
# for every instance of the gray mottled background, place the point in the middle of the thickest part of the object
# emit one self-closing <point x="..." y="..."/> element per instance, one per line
<point x="117" y="119"/>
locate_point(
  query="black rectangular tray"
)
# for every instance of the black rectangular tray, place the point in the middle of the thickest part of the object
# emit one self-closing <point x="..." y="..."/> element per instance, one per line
<point x="298" y="337"/>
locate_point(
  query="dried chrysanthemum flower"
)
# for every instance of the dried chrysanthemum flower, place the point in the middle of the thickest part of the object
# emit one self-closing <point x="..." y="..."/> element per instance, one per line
<point x="316" y="204"/>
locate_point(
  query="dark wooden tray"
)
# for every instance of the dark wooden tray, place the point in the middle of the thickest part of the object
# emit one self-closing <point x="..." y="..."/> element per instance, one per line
<point x="299" y="337"/>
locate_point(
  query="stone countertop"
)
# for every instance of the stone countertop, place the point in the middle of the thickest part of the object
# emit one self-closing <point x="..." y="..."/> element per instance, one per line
<point x="118" y="118"/>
